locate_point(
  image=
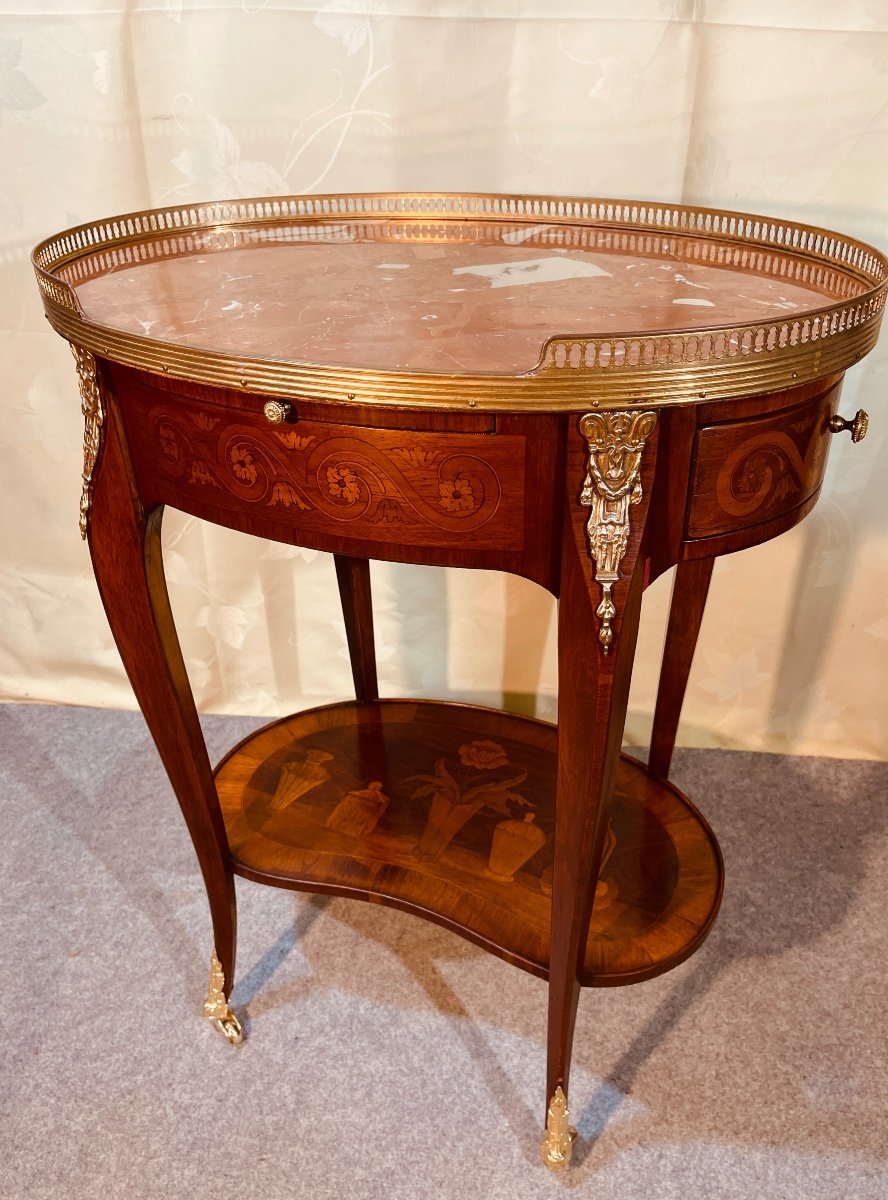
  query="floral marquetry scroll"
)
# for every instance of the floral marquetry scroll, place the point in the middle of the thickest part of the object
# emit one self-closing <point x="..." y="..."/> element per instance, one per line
<point x="613" y="482"/>
<point x="427" y="487"/>
<point x="757" y="470"/>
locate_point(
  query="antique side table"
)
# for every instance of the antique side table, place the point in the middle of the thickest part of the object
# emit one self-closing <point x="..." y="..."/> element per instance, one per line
<point x="582" y="392"/>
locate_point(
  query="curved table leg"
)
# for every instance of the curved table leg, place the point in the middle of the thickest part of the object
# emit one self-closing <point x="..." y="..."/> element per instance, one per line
<point x="689" y="591"/>
<point x="126" y="553"/>
<point x="353" y="577"/>
<point x="593" y="691"/>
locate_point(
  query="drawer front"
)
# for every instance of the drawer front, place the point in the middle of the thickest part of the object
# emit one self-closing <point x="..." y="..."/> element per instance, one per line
<point x="752" y="471"/>
<point x="410" y="486"/>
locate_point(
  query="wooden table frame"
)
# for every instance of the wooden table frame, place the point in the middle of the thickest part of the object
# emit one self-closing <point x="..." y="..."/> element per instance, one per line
<point x="614" y="458"/>
<point x="128" y="492"/>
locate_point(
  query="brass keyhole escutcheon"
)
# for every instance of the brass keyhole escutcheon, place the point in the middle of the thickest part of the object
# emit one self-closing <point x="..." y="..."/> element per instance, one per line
<point x="277" y="411"/>
<point x="857" y="426"/>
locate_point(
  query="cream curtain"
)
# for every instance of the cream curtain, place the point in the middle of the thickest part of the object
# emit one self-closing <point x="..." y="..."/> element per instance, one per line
<point x="109" y="105"/>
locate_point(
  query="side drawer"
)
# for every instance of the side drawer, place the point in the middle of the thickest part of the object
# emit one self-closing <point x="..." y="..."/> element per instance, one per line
<point x="327" y="478"/>
<point x="748" y="472"/>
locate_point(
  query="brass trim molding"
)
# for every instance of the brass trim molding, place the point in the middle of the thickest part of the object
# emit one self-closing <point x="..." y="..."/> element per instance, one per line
<point x="674" y="367"/>
<point x="616" y="442"/>
<point x="94" y="419"/>
<point x="557" y="1144"/>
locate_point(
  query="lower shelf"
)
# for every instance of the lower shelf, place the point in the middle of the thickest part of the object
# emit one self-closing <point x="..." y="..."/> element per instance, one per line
<point x="447" y="810"/>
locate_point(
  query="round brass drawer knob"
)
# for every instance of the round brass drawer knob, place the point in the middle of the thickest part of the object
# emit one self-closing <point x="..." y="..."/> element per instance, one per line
<point x="277" y="411"/>
<point x="858" y="426"/>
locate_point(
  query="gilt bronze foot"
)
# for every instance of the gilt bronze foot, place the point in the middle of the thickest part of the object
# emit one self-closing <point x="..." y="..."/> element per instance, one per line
<point x="557" y="1144"/>
<point x="216" y="1008"/>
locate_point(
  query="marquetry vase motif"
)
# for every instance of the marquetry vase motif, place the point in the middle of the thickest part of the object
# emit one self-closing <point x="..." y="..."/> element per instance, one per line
<point x="606" y="889"/>
<point x="358" y="812"/>
<point x="446" y="818"/>
<point x="514" y="843"/>
<point x="300" y="777"/>
<point x="461" y="790"/>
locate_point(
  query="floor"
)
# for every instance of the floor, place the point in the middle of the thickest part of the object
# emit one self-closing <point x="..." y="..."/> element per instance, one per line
<point x="387" y="1058"/>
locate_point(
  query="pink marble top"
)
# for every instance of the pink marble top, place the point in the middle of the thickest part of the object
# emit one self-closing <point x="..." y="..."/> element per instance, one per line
<point x="451" y="297"/>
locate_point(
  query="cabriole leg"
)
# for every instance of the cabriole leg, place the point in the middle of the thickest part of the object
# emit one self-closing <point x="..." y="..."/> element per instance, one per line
<point x="124" y="542"/>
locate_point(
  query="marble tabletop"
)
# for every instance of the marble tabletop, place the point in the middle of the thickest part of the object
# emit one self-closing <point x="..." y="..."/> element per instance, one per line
<point x="449" y="297"/>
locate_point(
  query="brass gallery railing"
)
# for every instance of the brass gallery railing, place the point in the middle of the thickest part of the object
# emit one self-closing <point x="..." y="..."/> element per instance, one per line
<point x="675" y="367"/>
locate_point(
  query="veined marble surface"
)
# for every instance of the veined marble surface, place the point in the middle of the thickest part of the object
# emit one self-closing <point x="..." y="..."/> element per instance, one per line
<point x="446" y="297"/>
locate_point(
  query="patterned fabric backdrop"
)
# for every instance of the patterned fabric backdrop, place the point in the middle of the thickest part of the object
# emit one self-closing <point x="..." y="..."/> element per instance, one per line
<point x="112" y="105"/>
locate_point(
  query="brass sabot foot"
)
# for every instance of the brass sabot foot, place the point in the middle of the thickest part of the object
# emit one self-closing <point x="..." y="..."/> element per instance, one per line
<point x="230" y="1028"/>
<point x="557" y="1144"/>
<point x="216" y="1008"/>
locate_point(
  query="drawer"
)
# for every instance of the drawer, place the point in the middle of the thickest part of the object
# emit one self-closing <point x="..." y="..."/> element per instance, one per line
<point x="748" y="472"/>
<point x="328" y="478"/>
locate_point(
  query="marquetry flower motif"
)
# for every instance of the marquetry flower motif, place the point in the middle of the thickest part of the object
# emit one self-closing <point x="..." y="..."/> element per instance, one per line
<point x="749" y="479"/>
<point x="456" y="495"/>
<point x="785" y="486"/>
<point x="390" y="512"/>
<point x="283" y="493"/>
<point x="415" y="456"/>
<point x="200" y="474"/>
<point x="168" y="443"/>
<point x="292" y="440"/>
<point x="343" y="484"/>
<point x="458" y="788"/>
<point x="767" y="474"/>
<point x="483" y="755"/>
<point x="242" y="464"/>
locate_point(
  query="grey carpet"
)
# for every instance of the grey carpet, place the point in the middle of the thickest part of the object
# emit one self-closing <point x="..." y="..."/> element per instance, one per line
<point x="387" y="1058"/>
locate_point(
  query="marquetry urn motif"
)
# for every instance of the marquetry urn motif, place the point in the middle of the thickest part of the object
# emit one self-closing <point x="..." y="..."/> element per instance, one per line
<point x="514" y="842"/>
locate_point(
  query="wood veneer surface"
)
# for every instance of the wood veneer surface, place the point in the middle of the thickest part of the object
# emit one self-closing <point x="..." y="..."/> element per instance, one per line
<point x="448" y="810"/>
